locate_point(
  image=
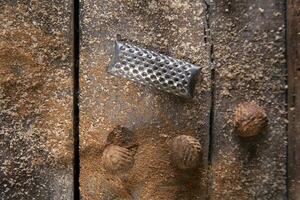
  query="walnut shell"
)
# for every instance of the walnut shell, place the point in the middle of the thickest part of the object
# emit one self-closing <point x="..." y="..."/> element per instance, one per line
<point x="185" y="152"/>
<point x="250" y="119"/>
<point x="121" y="136"/>
<point x="117" y="159"/>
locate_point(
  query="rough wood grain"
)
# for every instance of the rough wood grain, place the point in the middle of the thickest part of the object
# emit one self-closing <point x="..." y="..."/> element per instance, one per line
<point x="248" y="40"/>
<point x="175" y="28"/>
<point x="35" y="100"/>
<point x="293" y="55"/>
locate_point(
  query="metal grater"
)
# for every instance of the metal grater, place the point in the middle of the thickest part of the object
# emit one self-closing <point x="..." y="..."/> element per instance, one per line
<point x="154" y="69"/>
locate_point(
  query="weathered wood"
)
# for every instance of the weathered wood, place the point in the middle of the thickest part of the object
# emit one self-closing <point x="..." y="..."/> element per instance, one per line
<point x="293" y="61"/>
<point x="175" y="28"/>
<point x="35" y="100"/>
<point x="248" y="40"/>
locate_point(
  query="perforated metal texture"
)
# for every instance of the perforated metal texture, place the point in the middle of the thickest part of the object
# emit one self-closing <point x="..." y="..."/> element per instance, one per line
<point x="154" y="69"/>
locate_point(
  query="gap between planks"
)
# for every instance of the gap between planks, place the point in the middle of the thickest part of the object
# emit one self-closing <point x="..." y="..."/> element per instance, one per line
<point x="76" y="93"/>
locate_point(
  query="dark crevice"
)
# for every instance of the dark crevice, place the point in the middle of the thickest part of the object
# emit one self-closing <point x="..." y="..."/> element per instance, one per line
<point x="286" y="95"/>
<point x="209" y="44"/>
<point x="212" y="110"/>
<point x="76" y="54"/>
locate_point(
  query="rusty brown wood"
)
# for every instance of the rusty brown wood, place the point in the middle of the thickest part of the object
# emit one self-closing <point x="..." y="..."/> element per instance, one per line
<point x="175" y="28"/>
<point x="293" y="61"/>
<point x="35" y="100"/>
<point x="248" y="40"/>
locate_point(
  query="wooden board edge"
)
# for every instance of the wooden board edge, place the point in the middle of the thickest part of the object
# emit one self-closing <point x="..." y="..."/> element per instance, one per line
<point x="293" y="63"/>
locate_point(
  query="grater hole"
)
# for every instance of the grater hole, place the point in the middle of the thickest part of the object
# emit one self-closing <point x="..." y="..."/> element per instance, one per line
<point x="176" y="79"/>
<point x="172" y="59"/>
<point x="126" y="68"/>
<point x="156" y="82"/>
<point x="184" y="82"/>
<point x="183" y="91"/>
<point x="164" y="71"/>
<point x="170" y="82"/>
<point x="165" y="84"/>
<point x="158" y="74"/>
<point x="167" y="76"/>
<point x="173" y="73"/>
<point x="155" y="68"/>
<point x="135" y="71"/>
<point x="140" y="68"/>
<point x="161" y="80"/>
<point x="179" y="85"/>
<point x="181" y="76"/>
<point x="144" y="74"/>
<point x="152" y="76"/>
<point x="149" y="71"/>
<point x="131" y="65"/>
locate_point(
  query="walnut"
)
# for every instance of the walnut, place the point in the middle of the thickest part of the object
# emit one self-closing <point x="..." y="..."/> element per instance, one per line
<point x="185" y="152"/>
<point x="249" y="119"/>
<point x="117" y="159"/>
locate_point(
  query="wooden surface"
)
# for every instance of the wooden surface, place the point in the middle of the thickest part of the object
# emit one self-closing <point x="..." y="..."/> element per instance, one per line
<point x="239" y="44"/>
<point x="35" y="100"/>
<point x="248" y="40"/>
<point x="175" y="28"/>
<point x="293" y="46"/>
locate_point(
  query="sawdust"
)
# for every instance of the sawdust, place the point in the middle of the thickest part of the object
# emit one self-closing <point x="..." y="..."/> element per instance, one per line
<point x="35" y="101"/>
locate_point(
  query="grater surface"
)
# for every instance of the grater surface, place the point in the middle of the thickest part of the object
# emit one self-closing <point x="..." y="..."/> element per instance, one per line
<point x="154" y="69"/>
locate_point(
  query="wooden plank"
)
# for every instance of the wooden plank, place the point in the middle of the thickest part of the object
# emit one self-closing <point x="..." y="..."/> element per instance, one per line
<point x="293" y="46"/>
<point x="175" y="28"/>
<point x="36" y="144"/>
<point x="249" y="57"/>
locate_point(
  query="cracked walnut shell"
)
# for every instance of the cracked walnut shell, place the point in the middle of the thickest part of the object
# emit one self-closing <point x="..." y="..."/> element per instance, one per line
<point x="249" y="119"/>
